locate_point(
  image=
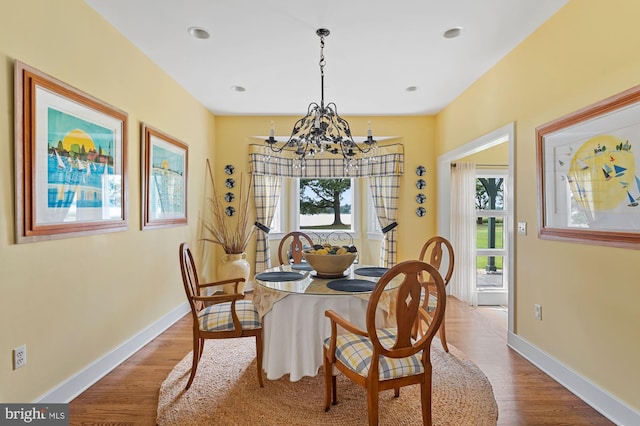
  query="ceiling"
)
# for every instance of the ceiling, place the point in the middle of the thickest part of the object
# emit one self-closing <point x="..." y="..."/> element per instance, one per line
<point x="376" y="49"/>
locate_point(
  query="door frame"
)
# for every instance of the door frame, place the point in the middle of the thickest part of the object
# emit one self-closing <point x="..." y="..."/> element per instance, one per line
<point x="504" y="134"/>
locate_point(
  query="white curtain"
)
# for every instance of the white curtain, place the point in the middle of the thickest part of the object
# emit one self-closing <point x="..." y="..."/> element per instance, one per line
<point x="463" y="232"/>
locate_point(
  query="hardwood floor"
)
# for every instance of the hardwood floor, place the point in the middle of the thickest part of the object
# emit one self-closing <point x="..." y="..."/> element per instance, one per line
<point x="526" y="396"/>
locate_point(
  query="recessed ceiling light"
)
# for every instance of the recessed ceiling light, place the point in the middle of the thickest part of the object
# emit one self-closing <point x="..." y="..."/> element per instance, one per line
<point x="411" y="89"/>
<point x="238" y="88"/>
<point x="452" y="32"/>
<point x="198" y="32"/>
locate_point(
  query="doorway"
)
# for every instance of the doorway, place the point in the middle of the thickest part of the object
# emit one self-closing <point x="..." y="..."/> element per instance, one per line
<point x="504" y="136"/>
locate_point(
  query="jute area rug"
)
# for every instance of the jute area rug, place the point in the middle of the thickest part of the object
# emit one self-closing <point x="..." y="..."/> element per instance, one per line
<point x="225" y="391"/>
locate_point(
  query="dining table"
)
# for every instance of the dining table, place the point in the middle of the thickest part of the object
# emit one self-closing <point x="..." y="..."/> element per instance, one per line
<point x="292" y="300"/>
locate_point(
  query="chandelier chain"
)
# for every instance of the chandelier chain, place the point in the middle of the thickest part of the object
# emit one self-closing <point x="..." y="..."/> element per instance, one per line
<point x="322" y="63"/>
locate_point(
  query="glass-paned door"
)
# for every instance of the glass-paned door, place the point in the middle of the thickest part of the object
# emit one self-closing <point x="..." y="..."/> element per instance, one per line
<point x="491" y="238"/>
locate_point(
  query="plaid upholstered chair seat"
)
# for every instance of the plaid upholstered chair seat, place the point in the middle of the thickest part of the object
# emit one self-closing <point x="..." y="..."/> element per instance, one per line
<point x="218" y="317"/>
<point x="388" y="358"/>
<point x="356" y="352"/>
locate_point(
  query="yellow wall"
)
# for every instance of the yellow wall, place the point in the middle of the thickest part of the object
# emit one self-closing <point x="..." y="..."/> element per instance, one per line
<point x="52" y="299"/>
<point x="74" y="300"/>
<point x="234" y="134"/>
<point x="589" y="294"/>
<point x="494" y="156"/>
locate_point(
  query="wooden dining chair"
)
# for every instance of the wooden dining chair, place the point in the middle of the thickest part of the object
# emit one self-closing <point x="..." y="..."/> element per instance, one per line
<point x="433" y="252"/>
<point x="218" y="316"/>
<point x="291" y="245"/>
<point x="399" y="359"/>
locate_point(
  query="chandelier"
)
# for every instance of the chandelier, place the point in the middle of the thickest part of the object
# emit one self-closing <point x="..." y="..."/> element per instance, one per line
<point x="323" y="130"/>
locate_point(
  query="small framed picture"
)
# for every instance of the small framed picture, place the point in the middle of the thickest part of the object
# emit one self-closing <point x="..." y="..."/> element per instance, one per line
<point x="421" y="170"/>
<point x="164" y="179"/>
<point x="421" y="198"/>
<point x="421" y="211"/>
<point x="421" y="184"/>
<point x="230" y="183"/>
<point x="230" y="211"/>
<point x="229" y="169"/>
<point x="229" y="197"/>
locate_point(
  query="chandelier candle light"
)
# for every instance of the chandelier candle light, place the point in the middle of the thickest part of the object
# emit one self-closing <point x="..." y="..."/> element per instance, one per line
<point x="323" y="130"/>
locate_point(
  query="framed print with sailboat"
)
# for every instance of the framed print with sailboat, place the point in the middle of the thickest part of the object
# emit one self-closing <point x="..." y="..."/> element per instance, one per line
<point x="164" y="179"/>
<point x="588" y="175"/>
<point x="70" y="151"/>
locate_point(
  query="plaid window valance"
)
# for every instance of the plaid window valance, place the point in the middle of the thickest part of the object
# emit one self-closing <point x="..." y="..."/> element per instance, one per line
<point x="389" y="162"/>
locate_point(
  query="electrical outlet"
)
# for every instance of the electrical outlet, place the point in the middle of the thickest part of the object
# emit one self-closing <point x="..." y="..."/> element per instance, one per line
<point x="19" y="357"/>
<point x="538" y="309"/>
<point x="522" y="228"/>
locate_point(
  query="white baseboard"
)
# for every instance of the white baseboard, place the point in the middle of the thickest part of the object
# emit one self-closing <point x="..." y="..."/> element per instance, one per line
<point x="606" y="404"/>
<point x="75" y="385"/>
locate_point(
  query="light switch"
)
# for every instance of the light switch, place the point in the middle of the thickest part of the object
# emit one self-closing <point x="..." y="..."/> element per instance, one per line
<point x="522" y="228"/>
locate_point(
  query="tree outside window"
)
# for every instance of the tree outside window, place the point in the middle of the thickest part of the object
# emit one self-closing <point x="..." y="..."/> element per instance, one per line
<point x="325" y="204"/>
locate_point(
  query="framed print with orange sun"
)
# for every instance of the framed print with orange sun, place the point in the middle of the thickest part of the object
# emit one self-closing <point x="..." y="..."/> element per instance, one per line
<point x="70" y="151"/>
<point x="164" y="179"/>
<point x="588" y="167"/>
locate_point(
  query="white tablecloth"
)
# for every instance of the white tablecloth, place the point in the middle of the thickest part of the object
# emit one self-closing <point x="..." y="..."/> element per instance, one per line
<point x="295" y="329"/>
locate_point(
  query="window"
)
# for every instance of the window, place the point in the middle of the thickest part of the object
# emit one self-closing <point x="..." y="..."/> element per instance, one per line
<point x="326" y="204"/>
<point x="296" y="213"/>
<point x="374" y="229"/>
<point x="276" y="223"/>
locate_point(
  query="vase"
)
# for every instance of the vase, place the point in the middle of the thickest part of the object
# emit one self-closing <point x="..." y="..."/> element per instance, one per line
<point x="234" y="266"/>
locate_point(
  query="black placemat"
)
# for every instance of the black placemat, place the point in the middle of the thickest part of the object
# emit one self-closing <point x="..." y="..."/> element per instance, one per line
<point x="351" y="285"/>
<point x="277" y="276"/>
<point x="371" y="272"/>
<point x="301" y="267"/>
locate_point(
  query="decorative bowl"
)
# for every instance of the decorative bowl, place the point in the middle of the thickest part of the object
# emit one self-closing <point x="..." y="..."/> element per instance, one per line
<point x="330" y="265"/>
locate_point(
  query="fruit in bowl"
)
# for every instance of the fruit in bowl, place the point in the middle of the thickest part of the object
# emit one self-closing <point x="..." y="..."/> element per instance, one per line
<point x="330" y="261"/>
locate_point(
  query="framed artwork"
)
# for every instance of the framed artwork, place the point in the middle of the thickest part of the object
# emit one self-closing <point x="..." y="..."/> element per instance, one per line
<point x="70" y="160"/>
<point x="164" y="179"/>
<point x="587" y="167"/>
